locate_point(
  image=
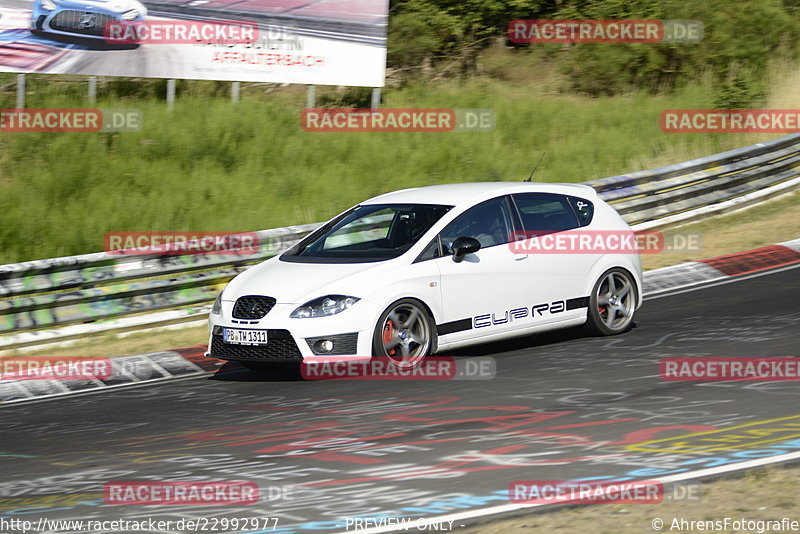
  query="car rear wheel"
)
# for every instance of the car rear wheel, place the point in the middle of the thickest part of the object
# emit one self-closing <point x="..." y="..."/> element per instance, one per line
<point x="404" y="333"/>
<point x="612" y="304"/>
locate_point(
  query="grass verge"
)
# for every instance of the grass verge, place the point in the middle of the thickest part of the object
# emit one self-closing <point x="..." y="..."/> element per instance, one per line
<point x="212" y="165"/>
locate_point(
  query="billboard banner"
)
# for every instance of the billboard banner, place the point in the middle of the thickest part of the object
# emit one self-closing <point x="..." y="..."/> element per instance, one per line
<point x="320" y="42"/>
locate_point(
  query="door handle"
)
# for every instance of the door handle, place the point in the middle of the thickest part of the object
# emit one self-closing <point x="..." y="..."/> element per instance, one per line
<point x="520" y="257"/>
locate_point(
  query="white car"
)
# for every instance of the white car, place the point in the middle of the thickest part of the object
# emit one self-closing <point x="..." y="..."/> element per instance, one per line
<point x="409" y="273"/>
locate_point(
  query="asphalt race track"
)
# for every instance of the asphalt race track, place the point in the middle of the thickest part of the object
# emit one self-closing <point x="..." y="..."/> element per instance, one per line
<point x="562" y="406"/>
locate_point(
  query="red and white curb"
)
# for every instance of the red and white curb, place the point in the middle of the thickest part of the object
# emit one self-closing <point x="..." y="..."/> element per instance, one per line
<point x="188" y="362"/>
<point x="701" y="273"/>
<point x="126" y="371"/>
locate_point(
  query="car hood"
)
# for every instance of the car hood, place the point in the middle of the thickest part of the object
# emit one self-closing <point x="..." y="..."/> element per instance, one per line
<point x="297" y="283"/>
<point x="117" y="6"/>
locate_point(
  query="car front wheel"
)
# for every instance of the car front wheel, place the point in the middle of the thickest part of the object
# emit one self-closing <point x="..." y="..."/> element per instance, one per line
<point x="404" y="333"/>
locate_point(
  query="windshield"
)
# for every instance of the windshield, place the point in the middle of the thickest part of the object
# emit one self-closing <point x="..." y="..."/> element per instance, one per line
<point x="374" y="232"/>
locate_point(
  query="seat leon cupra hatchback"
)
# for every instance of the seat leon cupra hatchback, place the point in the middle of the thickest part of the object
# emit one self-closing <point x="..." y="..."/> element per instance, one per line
<point x="412" y="272"/>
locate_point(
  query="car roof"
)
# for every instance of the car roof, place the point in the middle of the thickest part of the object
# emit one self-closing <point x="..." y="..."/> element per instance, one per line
<point x="473" y="192"/>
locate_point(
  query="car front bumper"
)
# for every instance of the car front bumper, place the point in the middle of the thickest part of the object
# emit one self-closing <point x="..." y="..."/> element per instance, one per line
<point x="292" y="340"/>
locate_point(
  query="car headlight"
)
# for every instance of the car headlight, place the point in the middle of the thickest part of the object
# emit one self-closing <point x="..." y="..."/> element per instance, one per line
<point x="324" y="306"/>
<point x="216" y="309"/>
<point x="131" y="15"/>
<point x="48" y="5"/>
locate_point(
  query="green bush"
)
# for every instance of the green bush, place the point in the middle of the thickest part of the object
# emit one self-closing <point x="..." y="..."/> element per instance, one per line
<point x="740" y="36"/>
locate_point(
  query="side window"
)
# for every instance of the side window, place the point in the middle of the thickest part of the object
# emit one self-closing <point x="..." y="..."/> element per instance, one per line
<point x="489" y="223"/>
<point x="542" y="212"/>
<point x="430" y="252"/>
<point x="584" y="209"/>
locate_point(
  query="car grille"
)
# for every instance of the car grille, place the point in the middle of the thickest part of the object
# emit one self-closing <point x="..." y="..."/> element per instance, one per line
<point x="252" y="307"/>
<point x="71" y="21"/>
<point x="280" y="346"/>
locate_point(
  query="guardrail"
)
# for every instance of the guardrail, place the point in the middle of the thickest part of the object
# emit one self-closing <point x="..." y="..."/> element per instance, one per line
<point x="713" y="184"/>
<point x="60" y="298"/>
<point x="95" y="290"/>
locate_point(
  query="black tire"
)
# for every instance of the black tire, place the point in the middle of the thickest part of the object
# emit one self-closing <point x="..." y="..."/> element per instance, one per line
<point x="403" y="335"/>
<point x="611" y="313"/>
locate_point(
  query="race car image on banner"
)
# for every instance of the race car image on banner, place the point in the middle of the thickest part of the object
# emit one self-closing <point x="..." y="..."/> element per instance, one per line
<point x="328" y="42"/>
<point x="83" y="18"/>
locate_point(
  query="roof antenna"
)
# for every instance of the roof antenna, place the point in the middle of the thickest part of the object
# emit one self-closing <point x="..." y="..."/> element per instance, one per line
<point x="537" y="166"/>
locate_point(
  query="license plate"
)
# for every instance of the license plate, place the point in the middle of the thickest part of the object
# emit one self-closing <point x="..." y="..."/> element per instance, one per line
<point x="239" y="336"/>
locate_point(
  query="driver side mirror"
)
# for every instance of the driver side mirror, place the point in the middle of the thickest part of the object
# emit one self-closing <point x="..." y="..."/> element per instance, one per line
<point x="463" y="246"/>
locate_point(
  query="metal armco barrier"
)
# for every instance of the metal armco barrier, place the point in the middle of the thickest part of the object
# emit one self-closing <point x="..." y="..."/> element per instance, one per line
<point x="714" y="184"/>
<point x="54" y="299"/>
<point x="93" y="288"/>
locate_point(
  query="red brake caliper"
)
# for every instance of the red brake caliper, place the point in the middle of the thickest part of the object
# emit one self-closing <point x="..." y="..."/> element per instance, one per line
<point x="602" y="309"/>
<point x="388" y="329"/>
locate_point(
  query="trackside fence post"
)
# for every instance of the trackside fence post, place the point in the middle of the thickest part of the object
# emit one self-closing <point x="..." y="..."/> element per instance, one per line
<point x="92" y="89"/>
<point x="236" y="88"/>
<point x="376" y="98"/>
<point x="170" y="94"/>
<point x="311" y="96"/>
<point x="21" y="82"/>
